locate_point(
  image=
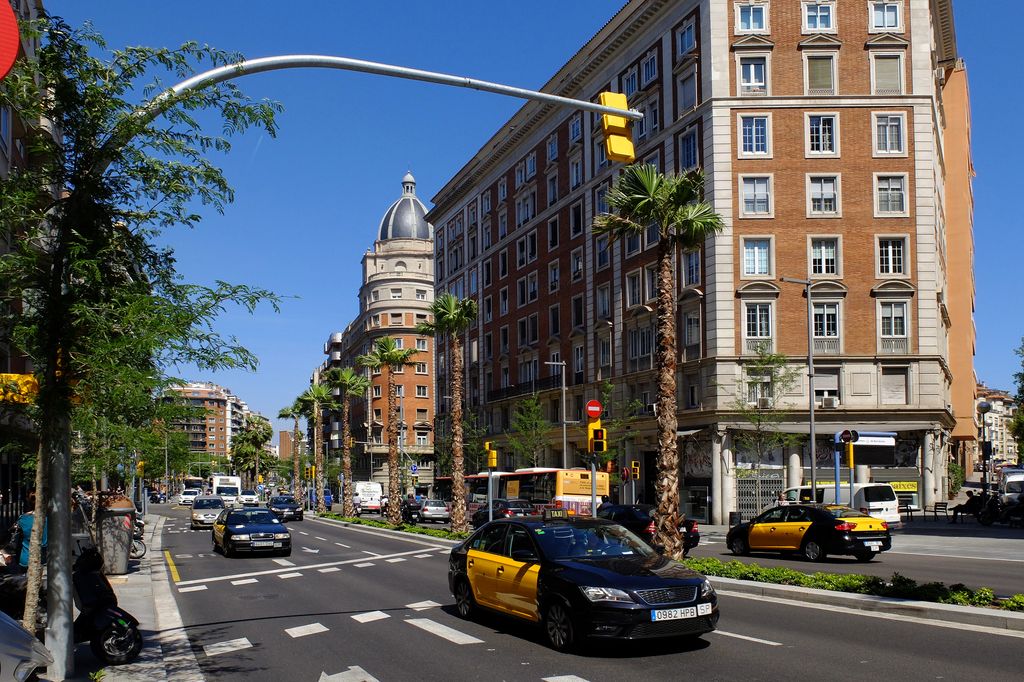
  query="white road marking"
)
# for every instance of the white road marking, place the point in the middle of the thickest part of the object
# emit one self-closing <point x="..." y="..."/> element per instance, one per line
<point x="353" y="674"/>
<point x="329" y="569"/>
<point x="364" y="565"/>
<point x="303" y="532"/>
<point x="564" y="678"/>
<point x="956" y="556"/>
<point x="182" y="556"/>
<point x="423" y="556"/>
<point x="366" y="551"/>
<point x="443" y="631"/>
<point x="395" y="560"/>
<point x="310" y="550"/>
<point x="370" y="616"/>
<point x="320" y="538"/>
<point x="246" y="581"/>
<point x="283" y="562"/>
<point x="303" y="630"/>
<point x="422" y="605"/>
<point x="341" y="545"/>
<point x="194" y="588"/>
<point x="749" y="639"/>
<point x="227" y="647"/>
<point x="285" y="576"/>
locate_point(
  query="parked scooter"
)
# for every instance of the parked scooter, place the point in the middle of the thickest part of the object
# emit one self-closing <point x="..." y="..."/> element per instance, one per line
<point x="138" y="546"/>
<point x="996" y="511"/>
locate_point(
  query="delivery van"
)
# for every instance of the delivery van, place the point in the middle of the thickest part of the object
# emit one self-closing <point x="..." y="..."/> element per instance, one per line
<point x="369" y="493"/>
<point x="874" y="499"/>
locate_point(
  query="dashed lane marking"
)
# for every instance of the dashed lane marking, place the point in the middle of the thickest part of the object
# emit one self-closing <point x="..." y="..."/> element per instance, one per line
<point x="329" y="569"/>
<point x="443" y="631"/>
<point x="246" y="581"/>
<point x="227" y="647"/>
<point x="423" y="556"/>
<point x="283" y="562"/>
<point x="369" y="616"/>
<point x="194" y="588"/>
<point x="396" y="560"/>
<point x="302" y="532"/>
<point x="303" y="630"/>
<point x="747" y="638"/>
<point x="342" y="545"/>
<point x="182" y="556"/>
<point x="317" y="537"/>
<point x="366" y="551"/>
<point x="564" y="678"/>
<point x="422" y="605"/>
<point x="285" y="576"/>
<point x="365" y="564"/>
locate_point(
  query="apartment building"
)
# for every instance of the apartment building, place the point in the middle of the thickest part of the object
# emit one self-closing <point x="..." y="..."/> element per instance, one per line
<point x="998" y="422"/>
<point x="395" y="296"/>
<point x="820" y="127"/>
<point x="226" y="415"/>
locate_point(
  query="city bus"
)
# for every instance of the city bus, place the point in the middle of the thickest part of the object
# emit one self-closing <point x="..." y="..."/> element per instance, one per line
<point x="544" y="487"/>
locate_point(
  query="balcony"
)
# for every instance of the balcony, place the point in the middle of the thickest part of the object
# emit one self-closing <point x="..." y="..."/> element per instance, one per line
<point x="752" y="346"/>
<point x="691" y="352"/>
<point x="895" y="345"/>
<point x="828" y="345"/>
<point x="526" y="387"/>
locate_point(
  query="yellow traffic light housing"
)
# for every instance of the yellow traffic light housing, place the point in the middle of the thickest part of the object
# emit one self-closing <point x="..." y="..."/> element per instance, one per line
<point x="618" y="138"/>
<point x="599" y="443"/>
<point x="492" y="459"/>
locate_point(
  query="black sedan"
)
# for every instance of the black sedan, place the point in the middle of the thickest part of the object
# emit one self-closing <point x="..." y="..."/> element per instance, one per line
<point x="285" y="507"/>
<point x="250" y="530"/>
<point x="503" y="509"/>
<point x="812" y="530"/>
<point x="639" y="518"/>
<point x="579" y="578"/>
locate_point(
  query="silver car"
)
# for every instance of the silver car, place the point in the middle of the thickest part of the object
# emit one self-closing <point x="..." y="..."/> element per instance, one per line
<point x="205" y="510"/>
<point x="436" y="510"/>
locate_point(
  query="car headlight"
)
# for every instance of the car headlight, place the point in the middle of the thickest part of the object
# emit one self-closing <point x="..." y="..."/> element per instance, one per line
<point x="606" y="594"/>
<point x="706" y="589"/>
<point x="240" y="536"/>
<point x="281" y="536"/>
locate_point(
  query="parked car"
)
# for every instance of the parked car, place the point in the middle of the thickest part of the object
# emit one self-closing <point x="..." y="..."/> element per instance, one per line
<point x="188" y="495"/>
<point x="436" y="511"/>
<point x="503" y="509"/>
<point x="812" y="530"/>
<point x="639" y="518"/>
<point x="285" y="507"/>
<point x="205" y="510"/>
<point x="411" y="511"/>
<point x="249" y="498"/>
<point x="250" y="530"/>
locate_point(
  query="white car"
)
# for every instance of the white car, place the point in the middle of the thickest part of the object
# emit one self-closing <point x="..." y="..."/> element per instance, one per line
<point x="187" y="496"/>
<point x="249" y="498"/>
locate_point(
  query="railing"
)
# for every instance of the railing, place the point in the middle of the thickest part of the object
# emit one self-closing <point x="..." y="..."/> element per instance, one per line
<point x="895" y="345"/>
<point x="888" y="91"/>
<point x="753" y="90"/>
<point x="820" y="92"/>
<point x="827" y="345"/>
<point x="526" y="387"/>
<point x="756" y="344"/>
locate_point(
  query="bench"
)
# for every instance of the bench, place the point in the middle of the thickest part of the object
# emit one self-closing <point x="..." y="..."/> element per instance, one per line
<point x="936" y="509"/>
<point x="908" y="511"/>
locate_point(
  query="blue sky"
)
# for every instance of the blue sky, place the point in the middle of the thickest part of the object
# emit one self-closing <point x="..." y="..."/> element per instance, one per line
<point x="308" y="203"/>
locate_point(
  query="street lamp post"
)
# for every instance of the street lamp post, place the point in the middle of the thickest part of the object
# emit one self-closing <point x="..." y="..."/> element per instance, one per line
<point x="984" y="407"/>
<point x="565" y="437"/>
<point x="810" y="380"/>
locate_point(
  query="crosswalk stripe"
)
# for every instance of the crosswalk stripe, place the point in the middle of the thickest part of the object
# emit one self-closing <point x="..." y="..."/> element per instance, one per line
<point x="182" y="556"/>
<point x="422" y="605"/>
<point x="303" y="630"/>
<point x="423" y="556"/>
<point x="285" y="576"/>
<point x="365" y="564"/>
<point x="227" y="647"/>
<point x="247" y="581"/>
<point x="283" y="562"/>
<point x="329" y="569"/>
<point x="369" y="616"/>
<point x="564" y="678"/>
<point x="194" y="588"/>
<point x="395" y="560"/>
<point x="443" y="631"/>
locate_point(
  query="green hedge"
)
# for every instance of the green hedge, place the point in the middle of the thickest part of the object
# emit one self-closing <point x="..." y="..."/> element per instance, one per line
<point x="899" y="586"/>
<point x="433" y="532"/>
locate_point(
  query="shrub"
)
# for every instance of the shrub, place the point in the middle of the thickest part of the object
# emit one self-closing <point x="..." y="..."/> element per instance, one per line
<point x="433" y="532"/>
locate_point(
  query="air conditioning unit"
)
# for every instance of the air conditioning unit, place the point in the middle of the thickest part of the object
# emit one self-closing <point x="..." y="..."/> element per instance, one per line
<point x="651" y="408"/>
<point x="940" y="75"/>
<point x="830" y="402"/>
<point x="764" y="403"/>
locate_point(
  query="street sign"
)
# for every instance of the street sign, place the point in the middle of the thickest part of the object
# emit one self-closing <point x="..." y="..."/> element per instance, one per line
<point x="594" y="409"/>
<point x="259" y="488"/>
<point x="10" y="40"/>
<point x="413" y="469"/>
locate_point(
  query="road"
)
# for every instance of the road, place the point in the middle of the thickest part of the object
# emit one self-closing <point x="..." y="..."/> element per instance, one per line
<point x="361" y="605"/>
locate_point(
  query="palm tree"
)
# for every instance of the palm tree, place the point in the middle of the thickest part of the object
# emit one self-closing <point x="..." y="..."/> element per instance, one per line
<point x="452" y="317"/>
<point x="317" y="398"/>
<point x="643" y="197"/>
<point x="294" y="411"/>
<point x="352" y="384"/>
<point x="387" y="356"/>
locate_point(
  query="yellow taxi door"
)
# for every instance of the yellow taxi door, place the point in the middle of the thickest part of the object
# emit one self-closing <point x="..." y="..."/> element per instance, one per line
<point x="516" y="581"/>
<point x="218" y="527"/>
<point x="766" y="530"/>
<point x="482" y="562"/>
<point x="795" y="523"/>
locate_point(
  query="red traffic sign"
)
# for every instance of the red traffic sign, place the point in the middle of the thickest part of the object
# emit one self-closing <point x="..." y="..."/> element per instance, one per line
<point x="594" y="409"/>
<point x="625" y="473"/>
<point x="10" y="40"/>
<point x="849" y="436"/>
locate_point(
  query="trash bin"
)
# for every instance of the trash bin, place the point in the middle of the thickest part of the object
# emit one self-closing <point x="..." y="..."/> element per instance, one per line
<point x="735" y="518"/>
<point x="117" y="519"/>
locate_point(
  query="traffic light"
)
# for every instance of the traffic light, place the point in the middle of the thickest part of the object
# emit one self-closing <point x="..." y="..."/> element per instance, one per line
<point x="634" y="465"/>
<point x="139" y="467"/>
<point x="618" y="138"/>
<point x="415" y="480"/>
<point x="599" y="442"/>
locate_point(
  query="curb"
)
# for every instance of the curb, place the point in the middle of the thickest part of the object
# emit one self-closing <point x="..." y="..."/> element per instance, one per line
<point x="962" y="615"/>
<point x="400" y="534"/>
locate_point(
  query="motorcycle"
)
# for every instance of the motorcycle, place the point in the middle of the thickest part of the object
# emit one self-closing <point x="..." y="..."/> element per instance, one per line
<point x="996" y="511"/>
<point x="411" y="511"/>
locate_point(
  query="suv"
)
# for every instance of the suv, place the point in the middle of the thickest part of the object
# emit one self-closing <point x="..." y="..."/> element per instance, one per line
<point x="187" y="496"/>
<point x="504" y="509"/>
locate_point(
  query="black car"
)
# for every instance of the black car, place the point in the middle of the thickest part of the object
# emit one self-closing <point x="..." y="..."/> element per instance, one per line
<point x="503" y="509"/>
<point x="579" y="578"/>
<point x="285" y="507"/>
<point x="812" y="530"/>
<point x="639" y="518"/>
<point x="250" y="530"/>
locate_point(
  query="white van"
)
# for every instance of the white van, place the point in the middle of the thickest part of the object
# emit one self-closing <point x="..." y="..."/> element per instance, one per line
<point x="1011" y="486"/>
<point x="874" y="499"/>
<point x="369" y="493"/>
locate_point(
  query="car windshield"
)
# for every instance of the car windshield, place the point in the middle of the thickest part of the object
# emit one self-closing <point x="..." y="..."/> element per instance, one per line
<point x="576" y="541"/>
<point x="838" y="512"/>
<point x="519" y="504"/>
<point x="227" y="490"/>
<point x="248" y="492"/>
<point x="208" y="503"/>
<point x="239" y="518"/>
<point x="192" y="493"/>
<point x="1014" y="486"/>
<point x="282" y="500"/>
<point x="433" y="503"/>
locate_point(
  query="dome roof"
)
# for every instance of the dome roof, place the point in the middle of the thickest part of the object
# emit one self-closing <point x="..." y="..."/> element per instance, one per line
<point x="405" y="219"/>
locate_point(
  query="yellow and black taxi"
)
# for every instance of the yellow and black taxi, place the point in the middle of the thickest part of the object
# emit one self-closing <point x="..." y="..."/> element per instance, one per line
<point x="579" y="578"/>
<point x="250" y="530"/>
<point x="812" y="530"/>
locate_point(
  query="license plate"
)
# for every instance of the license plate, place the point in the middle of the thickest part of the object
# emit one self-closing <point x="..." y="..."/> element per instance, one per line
<point x="874" y="544"/>
<point x="263" y="543"/>
<point x="678" y="614"/>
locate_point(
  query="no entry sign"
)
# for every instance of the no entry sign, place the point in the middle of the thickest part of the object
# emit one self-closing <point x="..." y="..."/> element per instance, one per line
<point x="594" y="409"/>
<point x="9" y="38"/>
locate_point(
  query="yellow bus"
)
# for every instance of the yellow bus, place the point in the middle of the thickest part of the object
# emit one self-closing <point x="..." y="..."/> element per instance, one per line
<point x="544" y="487"/>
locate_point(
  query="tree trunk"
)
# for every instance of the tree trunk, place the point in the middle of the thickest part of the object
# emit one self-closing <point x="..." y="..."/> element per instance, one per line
<point x="394" y="491"/>
<point x="459" y="524"/>
<point x="349" y="508"/>
<point x="296" y="481"/>
<point x="35" y="564"/>
<point x="667" y="518"/>
<point x="318" y="458"/>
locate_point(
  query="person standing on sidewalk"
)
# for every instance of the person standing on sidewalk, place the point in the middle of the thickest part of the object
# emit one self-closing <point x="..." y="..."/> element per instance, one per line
<point x="25" y="523"/>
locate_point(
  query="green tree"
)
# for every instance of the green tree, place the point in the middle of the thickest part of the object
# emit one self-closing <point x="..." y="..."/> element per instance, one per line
<point x="317" y="399"/>
<point x="294" y="412"/>
<point x="1017" y="423"/>
<point x="85" y="257"/>
<point x="640" y="198"/>
<point x="386" y="356"/>
<point x="529" y="434"/>
<point x="452" y="318"/>
<point x="248" y="449"/>
<point x="352" y="384"/>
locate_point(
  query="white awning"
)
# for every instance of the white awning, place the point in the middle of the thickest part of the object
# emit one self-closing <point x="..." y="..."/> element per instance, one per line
<point x="688" y="432"/>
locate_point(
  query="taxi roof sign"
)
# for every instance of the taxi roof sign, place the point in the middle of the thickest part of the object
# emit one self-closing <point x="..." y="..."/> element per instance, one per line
<point x="555" y="514"/>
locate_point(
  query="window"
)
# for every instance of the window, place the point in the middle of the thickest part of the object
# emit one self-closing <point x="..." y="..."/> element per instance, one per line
<point x="575" y="172"/>
<point x="399" y="343"/>
<point x="894" y="386"/>
<point x="756" y="257"/>
<point x="503" y="301"/>
<point x="421" y="344"/>
<point x="885" y="16"/>
<point x="502" y="225"/>
<point x="650" y="67"/>
<point x="600" y="204"/>
<point x="576" y="220"/>
<point x="823" y="257"/>
<point x="891" y="191"/>
<point x="577" y="311"/>
<point x="531" y="165"/>
<point x="823" y="195"/>
<point x="472" y="281"/>
<point x="531" y="287"/>
<point x="756" y="196"/>
<point x="553" y="276"/>
<point x="421" y="438"/>
<point x="552" y="233"/>
<point x="632" y="243"/>
<point x="889" y="133"/>
<point x="396" y="319"/>
<point x="605" y="351"/>
<point x="488" y="310"/>
<point x="503" y="339"/>
<point x="651" y="278"/>
<point x="821" y="77"/>
<point x="629" y="82"/>
<point x="421" y="391"/>
<point x="687" y="93"/>
<point x="692" y="391"/>
<point x="396" y="294"/>
<point x="634" y="293"/>
<point x="526" y="249"/>
<point x="600" y="154"/>
<point x="753" y="76"/>
<point x="692" y="267"/>
<point x="502" y="264"/>
<point x="686" y="38"/>
<point x="758" y="386"/>
<point x="552" y="148"/>
<point x="651" y="235"/>
<point x="487" y="273"/>
<point x="552" y="189"/>
<point x="576" y="264"/>
<point x="485" y="202"/>
<point x="640" y="344"/>
<point x="526" y="208"/>
<point x="826" y="320"/>
<point x="688" y="156"/>
<point x="890" y="257"/>
<point x="821" y="134"/>
<point x="751" y="18"/>
<point x="601" y="246"/>
<point x="421" y="294"/>
<point x="604" y="302"/>
<point x="520" y="175"/>
<point x="575" y="128"/>
<point x="502" y="189"/>
<point x="759" y="320"/>
<point x="5" y="129"/>
<point x="894" y="319"/>
<point x="651" y="122"/>
<point x="754" y="135"/>
<point x="691" y="329"/>
<point x="486" y="230"/>
<point x="818" y="16"/>
<point x="887" y="71"/>
<point x="554" y="320"/>
<point x="521" y="293"/>
<point x="578" y="363"/>
<point x="376" y="391"/>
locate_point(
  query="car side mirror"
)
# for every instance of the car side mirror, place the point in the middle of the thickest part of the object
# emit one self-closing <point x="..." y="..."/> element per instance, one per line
<point x="524" y="555"/>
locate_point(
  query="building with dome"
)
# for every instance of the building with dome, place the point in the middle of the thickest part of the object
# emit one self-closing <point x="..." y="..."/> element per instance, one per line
<point x="395" y="296"/>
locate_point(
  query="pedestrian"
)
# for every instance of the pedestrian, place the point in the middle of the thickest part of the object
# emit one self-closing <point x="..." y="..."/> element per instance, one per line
<point x="780" y="499"/>
<point x="969" y="508"/>
<point x="357" y="502"/>
<point x="604" y="503"/>
<point x="25" y="523"/>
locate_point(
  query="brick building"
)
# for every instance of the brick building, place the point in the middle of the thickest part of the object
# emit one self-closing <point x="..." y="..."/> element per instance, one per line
<point x="822" y="132"/>
<point x="226" y="415"/>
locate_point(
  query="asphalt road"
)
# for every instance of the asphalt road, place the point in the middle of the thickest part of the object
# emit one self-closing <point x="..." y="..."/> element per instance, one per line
<point x="363" y="605"/>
